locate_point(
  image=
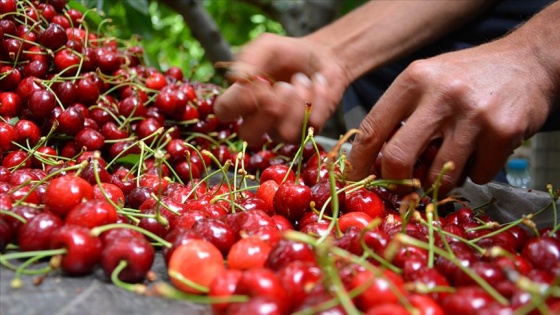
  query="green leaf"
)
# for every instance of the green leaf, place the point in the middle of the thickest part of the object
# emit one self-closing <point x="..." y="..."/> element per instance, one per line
<point x="92" y="16"/>
<point x="129" y="159"/>
<point x="139" y="5"/>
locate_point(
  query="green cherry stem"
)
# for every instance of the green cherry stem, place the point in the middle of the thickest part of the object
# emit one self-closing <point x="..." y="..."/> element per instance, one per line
<point x="165" y="290"/>
<point x="96" y="231"/>
<point x="132" y="287"/>
<point x="405" y="239"/>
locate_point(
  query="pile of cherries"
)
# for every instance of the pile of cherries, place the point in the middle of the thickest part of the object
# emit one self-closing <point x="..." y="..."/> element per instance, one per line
<point x="106" y="163"/>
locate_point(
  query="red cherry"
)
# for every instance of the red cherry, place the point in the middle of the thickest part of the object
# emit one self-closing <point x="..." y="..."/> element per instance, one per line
<point x="262" y="282"/>
<point x="17" y="158"/>
<point x="92" y="213"/>
<point x="466" y="300"/>
<point x="42" y="103"/>
<point x="10" y="104"/>
<point x="6" y="234"/>
<point x="156" y="81"/>
<point x="110" y="191"/>
<point x="266" y="192"/>
<point x="298" y="277"/>
<point x="224" y="286"/>
<point x="83" y="250"/>
<point x="136" y="251"/>
<point x="177" y="237"/>
<point x="90" y="139"/>
<point x="278" y="172"/>
<point x="8" y="6"/>
<point x="198" y="261"/>
<point x="384" y="287"/>
<point x="292" y="200"/>
<point x="65" y="192"/>
<point x="7" y="134"/>
<point x="66" y="61"/>
<point x="286" y="251"/>
<point x="36" y="233"/>
<point x="321" y="194"/>
<point x="542" y="252"/>
<point x="366" y="201"/>
<point x="53" y="37"/>
<point x="248" y="253"/>
<point x="28" y="132"/>
<point x="357" y="219"/>
<point x="217" y="232"/>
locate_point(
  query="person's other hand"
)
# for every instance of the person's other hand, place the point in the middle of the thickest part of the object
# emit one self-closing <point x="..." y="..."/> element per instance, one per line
<point x="483" y="102"/>
<point x="300" y="71"/>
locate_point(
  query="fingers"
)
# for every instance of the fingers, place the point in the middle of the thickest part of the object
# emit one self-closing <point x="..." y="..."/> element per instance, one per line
<point x="377" y="127"/>
<point x="242" y="99"/>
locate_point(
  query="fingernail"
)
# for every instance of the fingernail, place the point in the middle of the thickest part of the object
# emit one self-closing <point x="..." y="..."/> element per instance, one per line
<point x="301" y="79"/>
<point x="284" y="85"/>
<point x="319" y="78"/>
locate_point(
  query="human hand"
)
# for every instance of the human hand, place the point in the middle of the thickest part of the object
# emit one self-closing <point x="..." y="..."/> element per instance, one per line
<point x="483" y="102"/>
<point x="274" y="78"/>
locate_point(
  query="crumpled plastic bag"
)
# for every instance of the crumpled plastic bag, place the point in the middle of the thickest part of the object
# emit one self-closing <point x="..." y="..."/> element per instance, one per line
<point x="511" y="203"/>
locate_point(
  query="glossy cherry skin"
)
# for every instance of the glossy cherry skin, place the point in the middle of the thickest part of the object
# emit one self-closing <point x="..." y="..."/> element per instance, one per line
<point x="292" y="200"/>
<point x="137" y="252"/>
<point x="248" y="253"/>
<point x="224" y="286"/>
<point x="246" y="221"/>
<point x="92" y="213"/>
<point x="286" y="251"/>
<point x="262" y="282"/>
<point x="177" y="237"/>
<point x="83" y="251"/>
<point x="65" y="192"/>
<point x="542" y="252"/>
<point x="298" y="277"/>
<point x="266" y="192"/>
<point x="25" y="211"/>
<point x="466" y="300"/>
<point x="321" y="194"/>
<point x="278" y="172"/>
<point x="252" y="203"/>
<point x="383" y="288"/>
<point x="116" y="233"/>
<point x="109" y="191"/>
<point x="6" y="234"/>
<point x="257" y="305"/>
<point x="431" y="278"/>
<point x="217" y="232"/>
<point x="366" y="201"/>
<point x="36" y="233"/>
<point x="197" y="260"/>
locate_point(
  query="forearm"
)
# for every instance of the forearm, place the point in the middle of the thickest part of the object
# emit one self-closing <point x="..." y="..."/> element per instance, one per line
<point x="382" y="31"/>
<point x="540" y="39"/>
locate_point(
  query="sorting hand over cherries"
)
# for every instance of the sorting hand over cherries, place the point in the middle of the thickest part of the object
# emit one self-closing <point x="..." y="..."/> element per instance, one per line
<point x="107" y="163"/>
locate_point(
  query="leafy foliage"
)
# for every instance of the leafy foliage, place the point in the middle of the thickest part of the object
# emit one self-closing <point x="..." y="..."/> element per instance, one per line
<point x="166" y="38"/>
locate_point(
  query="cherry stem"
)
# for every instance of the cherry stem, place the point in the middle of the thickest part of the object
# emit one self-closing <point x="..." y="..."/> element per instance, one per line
<point x="43" y="253"/>
<point x="132" y="287"/>
<point x="77" y="167"/>
<point x="223" y="169"/>
<point x="179" y="277"/>
<point x="16" y="282"/>
<point x="96" y="231"/>
<point x="308" y="239"/>
<point x="13" y="215"/>
<point x="325" y="260"/>
<point x="168" y="291"/>
<point x="405" y="239"/>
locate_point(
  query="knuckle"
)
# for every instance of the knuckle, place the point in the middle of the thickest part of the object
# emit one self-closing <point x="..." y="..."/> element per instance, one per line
<point x="395" y="157"/>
